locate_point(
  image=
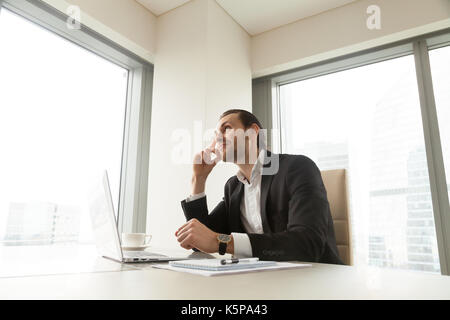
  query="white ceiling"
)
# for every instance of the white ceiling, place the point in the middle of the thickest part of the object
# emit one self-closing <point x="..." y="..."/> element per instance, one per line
<point x="257" y="16"/>
<point x="158" y="7"/>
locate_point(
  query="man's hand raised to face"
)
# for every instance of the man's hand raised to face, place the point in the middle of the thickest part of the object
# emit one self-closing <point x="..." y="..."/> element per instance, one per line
<point x="202" y="167"/>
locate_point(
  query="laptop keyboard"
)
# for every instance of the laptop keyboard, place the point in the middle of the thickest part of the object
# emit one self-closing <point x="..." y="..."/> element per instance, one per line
<point x="139" y="254"/>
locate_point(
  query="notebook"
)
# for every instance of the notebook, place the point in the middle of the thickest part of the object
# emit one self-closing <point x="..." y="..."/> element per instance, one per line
<point x="278" y="266"/>
<point x="215" y="264"/>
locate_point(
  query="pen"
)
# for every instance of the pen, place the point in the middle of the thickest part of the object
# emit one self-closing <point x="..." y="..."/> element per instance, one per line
<point x="235" y="260"/>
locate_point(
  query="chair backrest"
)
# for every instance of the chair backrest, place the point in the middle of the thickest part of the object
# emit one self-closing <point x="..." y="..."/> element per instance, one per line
<point x="335" y="182"/>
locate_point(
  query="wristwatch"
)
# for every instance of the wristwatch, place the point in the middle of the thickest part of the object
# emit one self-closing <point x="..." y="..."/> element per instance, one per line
<point x="223" y="239"/>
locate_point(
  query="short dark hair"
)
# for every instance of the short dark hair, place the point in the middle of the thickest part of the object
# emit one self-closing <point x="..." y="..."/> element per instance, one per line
<point x="247" y="119"/>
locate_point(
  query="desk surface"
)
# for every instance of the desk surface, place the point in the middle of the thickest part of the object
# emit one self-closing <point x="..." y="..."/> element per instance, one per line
<point x="322" y="281"/>
<point x="20" y="261"/>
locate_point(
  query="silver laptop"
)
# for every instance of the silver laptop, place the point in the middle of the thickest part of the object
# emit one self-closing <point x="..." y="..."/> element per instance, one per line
<point x="105" y="228"/>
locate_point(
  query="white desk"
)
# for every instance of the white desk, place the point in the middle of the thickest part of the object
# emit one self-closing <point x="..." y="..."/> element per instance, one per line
<point x="19" y="261"/>
<point x="319" y="282"/>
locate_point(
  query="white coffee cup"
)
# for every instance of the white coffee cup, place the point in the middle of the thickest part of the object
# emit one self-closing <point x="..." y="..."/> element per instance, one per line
<point x="135" y="239"/>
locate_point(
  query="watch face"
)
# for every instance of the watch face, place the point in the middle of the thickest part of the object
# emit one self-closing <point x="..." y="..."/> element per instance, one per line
<point x="224" y="237"/>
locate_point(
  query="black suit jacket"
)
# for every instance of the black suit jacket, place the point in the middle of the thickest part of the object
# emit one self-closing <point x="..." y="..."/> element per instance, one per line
<point x="295" y="212"/>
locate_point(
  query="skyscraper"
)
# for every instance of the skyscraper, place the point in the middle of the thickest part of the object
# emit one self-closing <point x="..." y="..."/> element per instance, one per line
<point x="41" y="224"/>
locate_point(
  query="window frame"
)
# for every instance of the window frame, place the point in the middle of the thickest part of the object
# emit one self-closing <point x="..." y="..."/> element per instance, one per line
<point x="132" y="206"/>
<point x="266" y="105"/>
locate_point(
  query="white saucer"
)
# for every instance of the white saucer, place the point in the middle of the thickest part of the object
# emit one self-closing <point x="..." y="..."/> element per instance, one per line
<point x="134" y="248"/>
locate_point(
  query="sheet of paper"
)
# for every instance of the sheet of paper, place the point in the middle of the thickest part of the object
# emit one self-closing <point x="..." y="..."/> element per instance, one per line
<point x="278" y="266"/>
<point x="216" y="265"/>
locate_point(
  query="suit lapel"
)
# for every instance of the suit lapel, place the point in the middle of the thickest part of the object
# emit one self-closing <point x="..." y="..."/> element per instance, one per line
<point x="235" y="209"/>
<point x="266" y="181"/>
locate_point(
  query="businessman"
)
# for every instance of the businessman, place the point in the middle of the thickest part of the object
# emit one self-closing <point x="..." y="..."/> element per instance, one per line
<point x="274" y="208"/>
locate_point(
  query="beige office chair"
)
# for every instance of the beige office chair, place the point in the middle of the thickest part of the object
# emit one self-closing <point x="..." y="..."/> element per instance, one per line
<point x="335" y="182"/>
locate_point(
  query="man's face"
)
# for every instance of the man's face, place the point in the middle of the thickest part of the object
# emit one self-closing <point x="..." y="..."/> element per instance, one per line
<point x="232" y="139"/>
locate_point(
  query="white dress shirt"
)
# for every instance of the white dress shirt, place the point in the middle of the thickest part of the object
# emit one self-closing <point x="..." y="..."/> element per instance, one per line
<point x="250" y="208"/>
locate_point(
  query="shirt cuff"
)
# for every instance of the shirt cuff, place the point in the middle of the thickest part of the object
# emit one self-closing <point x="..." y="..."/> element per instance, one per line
<point x="195" y="197"/>
<point x="242" y="246"/>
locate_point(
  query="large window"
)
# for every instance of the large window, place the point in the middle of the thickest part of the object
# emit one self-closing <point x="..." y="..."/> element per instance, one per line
<point x="440" y="69"/>
<point x="62" y="119"/>
<point x="369" y="123"/>
<point x="366" y="113"/>
<point x="65" y="116"/>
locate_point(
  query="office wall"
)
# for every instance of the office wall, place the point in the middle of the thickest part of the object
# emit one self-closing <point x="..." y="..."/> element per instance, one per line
<point x="124" y="21"/>
<point x="202" y="67"/>
<point x="343" y="30"/>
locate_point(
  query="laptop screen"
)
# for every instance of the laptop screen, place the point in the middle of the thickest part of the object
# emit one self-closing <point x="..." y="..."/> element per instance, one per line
<point x="103" y="220"/>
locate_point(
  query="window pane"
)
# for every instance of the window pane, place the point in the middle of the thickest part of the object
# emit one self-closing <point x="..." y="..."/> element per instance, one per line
<point x="368" y="121"/>
<point x="62" y="112"/>
<point x="440" y="71"/>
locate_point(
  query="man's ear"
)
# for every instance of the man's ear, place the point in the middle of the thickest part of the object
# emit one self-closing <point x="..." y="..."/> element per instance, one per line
<point x="255" y="127"/>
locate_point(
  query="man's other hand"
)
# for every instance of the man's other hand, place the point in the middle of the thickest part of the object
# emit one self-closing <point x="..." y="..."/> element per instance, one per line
<point x="195" y="234"/>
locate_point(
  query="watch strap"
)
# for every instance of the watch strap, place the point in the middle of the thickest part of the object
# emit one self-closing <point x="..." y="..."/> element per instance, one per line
<point x="222" y="248"/>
